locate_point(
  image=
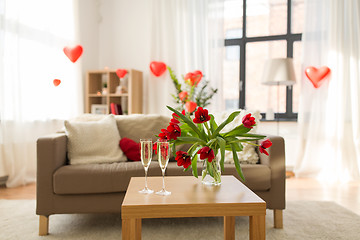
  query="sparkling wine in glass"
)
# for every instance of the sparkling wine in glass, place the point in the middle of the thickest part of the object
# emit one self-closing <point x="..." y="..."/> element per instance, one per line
<point x="163" y="149"/>
<point x="146" y="156"/>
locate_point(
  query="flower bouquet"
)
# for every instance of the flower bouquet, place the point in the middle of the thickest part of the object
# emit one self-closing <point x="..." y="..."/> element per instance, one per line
<point x="207" y="141"/>
<point x="192" y="94"/>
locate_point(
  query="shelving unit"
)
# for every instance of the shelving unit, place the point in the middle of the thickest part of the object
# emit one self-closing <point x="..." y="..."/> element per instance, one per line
<point x="131" y="101"/>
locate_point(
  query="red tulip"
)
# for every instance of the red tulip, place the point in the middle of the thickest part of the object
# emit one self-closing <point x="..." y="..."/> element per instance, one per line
<point x="206" y="153"/>
<point x="164" y="135"/>
<point x="183" y="159"/>
<point x="183" y="96"/>
<point x="190" y="106"/>
<point x="201" y="115"/>
<point x="248" y="121"/>
<point x="174" y="121"/>
<point x="265" y="144"/>
<point x="174" y="131"/>
<point x="193" y="78"/>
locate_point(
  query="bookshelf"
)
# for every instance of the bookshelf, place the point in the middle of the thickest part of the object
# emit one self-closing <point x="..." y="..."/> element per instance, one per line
<point x="130" y="100"/>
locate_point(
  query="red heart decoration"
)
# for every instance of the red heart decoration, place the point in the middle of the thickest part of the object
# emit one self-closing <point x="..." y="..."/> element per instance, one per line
<point x="157" y="68"/>
<point x="130" y="148"/>
<point x="121" y="73"/>
<point x="316" y="75"/>
<point x="73" y="53"/>
<point x="56" y="82"/>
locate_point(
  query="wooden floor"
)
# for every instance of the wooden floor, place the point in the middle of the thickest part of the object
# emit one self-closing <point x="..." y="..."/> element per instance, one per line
<point x="344" y="194"/>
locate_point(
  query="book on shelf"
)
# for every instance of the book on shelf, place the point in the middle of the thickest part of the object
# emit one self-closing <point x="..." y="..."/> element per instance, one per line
<point x="116" y="109"/>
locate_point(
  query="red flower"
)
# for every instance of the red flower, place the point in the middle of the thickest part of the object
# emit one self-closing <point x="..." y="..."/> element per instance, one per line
<point x="190" y="106"/>
<point x="183" y="96"/>
<point x="183" y="159"/>
<point x="193" y="78"/>
<point x="206" y="153"/>
<point x="177" y="116"/>
<point x="265" y="144"/>
<point x="155" y="147"/>
<point x="248" y="121"/>
<point x="201" y="115"/>
<point x="174" y="121"/>
<point x="174" y="131"/>
<point x="164" y="135"/>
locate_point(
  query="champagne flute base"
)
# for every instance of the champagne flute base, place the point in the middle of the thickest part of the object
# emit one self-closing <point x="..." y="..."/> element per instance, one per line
<point x="163" y="192"/>
<point x="146" y="191"/>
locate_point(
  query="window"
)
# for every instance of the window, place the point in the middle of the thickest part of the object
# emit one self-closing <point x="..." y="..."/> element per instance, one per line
<point x="256" y="30"/>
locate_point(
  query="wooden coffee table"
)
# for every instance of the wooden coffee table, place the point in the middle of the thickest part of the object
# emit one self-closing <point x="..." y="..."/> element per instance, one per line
<point x="191" y="198"/>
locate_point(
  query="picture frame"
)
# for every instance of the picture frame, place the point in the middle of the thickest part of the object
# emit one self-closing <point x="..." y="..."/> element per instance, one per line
<point x="99" y="109"/>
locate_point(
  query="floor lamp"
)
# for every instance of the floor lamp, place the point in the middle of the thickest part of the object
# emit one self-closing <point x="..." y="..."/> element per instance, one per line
<point x="278" y="71"/>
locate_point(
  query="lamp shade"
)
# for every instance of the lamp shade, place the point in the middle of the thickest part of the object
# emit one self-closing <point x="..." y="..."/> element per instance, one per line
<point x="279" y="71"/>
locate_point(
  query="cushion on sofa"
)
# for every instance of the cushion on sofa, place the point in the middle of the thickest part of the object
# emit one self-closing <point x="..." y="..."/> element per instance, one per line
<point x="99" y="178"/>
<point x="93" y="141"/>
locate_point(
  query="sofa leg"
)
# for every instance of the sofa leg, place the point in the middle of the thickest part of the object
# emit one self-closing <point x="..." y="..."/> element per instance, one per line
<point x="43" y="225"/>
<point x="278" y="218"/>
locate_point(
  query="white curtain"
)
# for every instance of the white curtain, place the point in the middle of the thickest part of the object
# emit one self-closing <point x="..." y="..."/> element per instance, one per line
<point x="187" y="35"/>
<point x="329" y="116"/>
<point x="32" y="37"/>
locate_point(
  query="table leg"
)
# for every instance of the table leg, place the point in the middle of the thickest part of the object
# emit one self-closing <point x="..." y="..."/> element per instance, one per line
<point x="131" y="229"/>
<point x="229" y="228"/>
<point x="257" y="227"/>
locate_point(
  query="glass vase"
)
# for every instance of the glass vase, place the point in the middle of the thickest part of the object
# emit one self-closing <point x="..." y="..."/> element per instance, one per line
<point x="211" y="172"/>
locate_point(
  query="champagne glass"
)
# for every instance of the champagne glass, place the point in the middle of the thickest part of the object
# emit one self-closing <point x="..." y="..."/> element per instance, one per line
<point x="163" y="149"/>
<point x="146" y="156"/>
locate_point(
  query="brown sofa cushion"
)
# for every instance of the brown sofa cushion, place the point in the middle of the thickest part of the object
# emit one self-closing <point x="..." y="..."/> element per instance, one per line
<point x="99" y="178"/>
<point x="257" y="176"/>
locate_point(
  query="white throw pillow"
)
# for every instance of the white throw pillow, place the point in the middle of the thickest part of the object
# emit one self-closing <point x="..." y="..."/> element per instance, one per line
<point x="93" y="141"/>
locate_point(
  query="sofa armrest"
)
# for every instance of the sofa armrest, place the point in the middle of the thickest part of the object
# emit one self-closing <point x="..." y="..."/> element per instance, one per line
<point x="276" y="162"/>
<point x="51" y="154"/>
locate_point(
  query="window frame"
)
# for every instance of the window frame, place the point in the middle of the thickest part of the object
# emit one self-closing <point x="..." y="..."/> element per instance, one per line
<point x="289" y="37"/>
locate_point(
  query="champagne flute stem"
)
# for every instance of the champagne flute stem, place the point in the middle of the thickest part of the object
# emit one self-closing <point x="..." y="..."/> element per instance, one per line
<point x="146" y="187"/>
<point x="163" y="173"/>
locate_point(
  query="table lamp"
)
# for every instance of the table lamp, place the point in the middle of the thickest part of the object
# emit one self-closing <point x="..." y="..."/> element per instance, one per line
<point x="278" y="71"/>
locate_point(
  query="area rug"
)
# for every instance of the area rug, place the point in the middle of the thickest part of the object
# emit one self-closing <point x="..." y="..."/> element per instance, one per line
<point x="302" y="220"/>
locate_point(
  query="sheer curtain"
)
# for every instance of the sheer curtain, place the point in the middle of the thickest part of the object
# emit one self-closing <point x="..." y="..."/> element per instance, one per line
<point x="187" y="35"/>
<point x="329" y="117"/>
<point x="32" y="36"/>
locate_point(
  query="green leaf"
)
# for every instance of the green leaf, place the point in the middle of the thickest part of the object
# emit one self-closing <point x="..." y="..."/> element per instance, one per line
<point x="209" y="143"/>
<point x="237" y="164"/>
<point x="194" y="166"/>
<point x="213" y="125"/>
<point x="237" y="131"/>
<point x="188" y="122"/>
<point x="253" y="135"/>
<point x="227" y="121"/>
<point x="222" y="144"/>
<point x="191" y="140"/>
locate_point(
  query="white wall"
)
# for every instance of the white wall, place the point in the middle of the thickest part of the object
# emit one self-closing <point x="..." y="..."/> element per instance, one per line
<point x="116" y="34"/>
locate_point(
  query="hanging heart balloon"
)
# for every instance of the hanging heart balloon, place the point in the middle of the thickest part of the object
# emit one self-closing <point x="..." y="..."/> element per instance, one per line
<point x="316" y="76"/>
<point x="73" y="53"/>
<point x="157" y="68"/>
<point x="56" y="82"/>
<point x="121" y="73"/>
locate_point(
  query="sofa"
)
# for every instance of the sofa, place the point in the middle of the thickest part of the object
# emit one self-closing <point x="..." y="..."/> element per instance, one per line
<point x="64" y="188"/>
